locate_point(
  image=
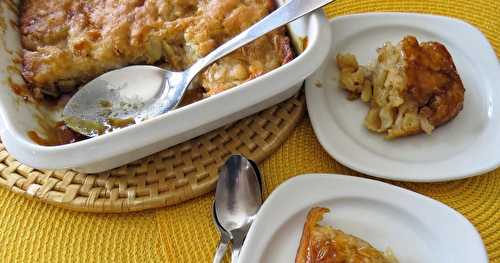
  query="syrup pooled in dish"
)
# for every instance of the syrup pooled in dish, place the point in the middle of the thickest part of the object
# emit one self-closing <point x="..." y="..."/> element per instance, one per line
<point x="411" y="88"/>
<point x="70" y="42"/>
<point x="325" y="244"/>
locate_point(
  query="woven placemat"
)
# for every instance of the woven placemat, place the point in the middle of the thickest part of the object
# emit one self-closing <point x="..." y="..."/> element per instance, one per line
<point x="169" y="177"/>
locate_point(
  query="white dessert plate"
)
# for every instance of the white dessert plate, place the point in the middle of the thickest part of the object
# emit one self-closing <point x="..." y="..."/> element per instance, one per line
<point x="416" y="228"/>
<point x="466" y="146"/>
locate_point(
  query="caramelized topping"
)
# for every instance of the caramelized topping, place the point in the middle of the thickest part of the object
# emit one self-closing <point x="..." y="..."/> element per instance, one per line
<point x="324" y="244"/>
<point x="432" y="80"/>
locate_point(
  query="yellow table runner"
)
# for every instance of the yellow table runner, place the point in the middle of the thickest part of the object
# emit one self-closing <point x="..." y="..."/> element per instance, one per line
<point x="31" y="231"/>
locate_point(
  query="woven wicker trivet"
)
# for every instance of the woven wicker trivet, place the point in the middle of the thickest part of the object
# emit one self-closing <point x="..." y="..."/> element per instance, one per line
<point x="178" y="174"/>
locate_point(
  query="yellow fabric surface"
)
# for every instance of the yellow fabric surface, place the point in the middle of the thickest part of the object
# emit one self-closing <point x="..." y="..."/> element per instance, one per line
<point x="31" y="231"/>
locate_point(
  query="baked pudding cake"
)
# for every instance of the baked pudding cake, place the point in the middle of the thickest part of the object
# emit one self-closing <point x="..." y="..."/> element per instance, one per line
<point x="327" y="244"/>
<point x="69" y="42"/>
<point x="411" y="88"/>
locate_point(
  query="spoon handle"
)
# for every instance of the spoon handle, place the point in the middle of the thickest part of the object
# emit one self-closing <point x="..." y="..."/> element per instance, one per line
<point x="236" y="245"/>
<point x="281" y="16"/>
<point x="221" y="249"/>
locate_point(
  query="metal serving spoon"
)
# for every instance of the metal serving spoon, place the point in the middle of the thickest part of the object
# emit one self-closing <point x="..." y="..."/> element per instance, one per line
<point x="133" y="94"/>
<point x="237" y="200"/>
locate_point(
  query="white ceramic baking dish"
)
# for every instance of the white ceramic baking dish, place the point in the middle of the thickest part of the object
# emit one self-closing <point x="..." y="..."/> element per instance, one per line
<point x="132" y="143"/>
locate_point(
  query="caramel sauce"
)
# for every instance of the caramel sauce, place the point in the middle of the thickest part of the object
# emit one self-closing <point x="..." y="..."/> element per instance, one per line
<point x="301" y="43"/>
<point x="33" y="135"/>
<point x="21" y="90"/>
<point x="51" y="133"/>
<point x="54" y="104"/>
<point x="191" y="96"/>
<point x="121" y="123"/>
<point x="304" y="42"/>
<point x="3" y="28"/>
<point x="58" y="134"/>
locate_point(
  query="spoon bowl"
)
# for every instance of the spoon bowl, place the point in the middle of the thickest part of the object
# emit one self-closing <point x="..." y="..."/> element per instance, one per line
<point x="124" y="96"/>
<point x="239" y="197"/>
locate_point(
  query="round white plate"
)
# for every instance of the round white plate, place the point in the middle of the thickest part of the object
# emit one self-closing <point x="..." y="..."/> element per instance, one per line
<point x="468" y="145"/>
<point x="418" y="229"/>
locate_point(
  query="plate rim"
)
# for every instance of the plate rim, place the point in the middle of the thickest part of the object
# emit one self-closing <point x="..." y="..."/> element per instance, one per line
<point x="347" y="160"/>
<point x="254" y="239"/>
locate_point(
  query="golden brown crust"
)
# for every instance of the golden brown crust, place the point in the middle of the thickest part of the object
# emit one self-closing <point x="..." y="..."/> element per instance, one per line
<point x="313" y="217"/>
<point x="39" y="27"/>
<point x="68" y="42"/>
<point x="326" y="244"/>
<point x="432" y="80"/>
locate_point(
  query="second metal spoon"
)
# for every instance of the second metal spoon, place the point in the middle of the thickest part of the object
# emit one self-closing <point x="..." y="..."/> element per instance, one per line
<point x="237" y="199"/>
